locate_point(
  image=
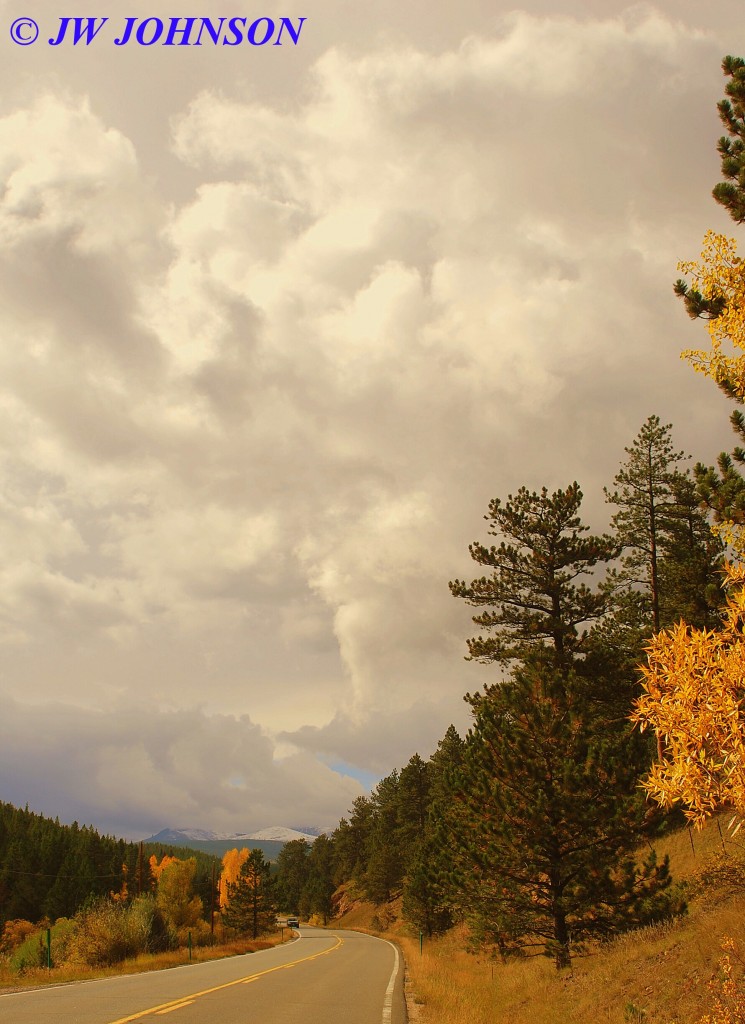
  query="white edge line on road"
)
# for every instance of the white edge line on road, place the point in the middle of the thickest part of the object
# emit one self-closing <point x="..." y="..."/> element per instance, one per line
<point x="388" y="1000"/>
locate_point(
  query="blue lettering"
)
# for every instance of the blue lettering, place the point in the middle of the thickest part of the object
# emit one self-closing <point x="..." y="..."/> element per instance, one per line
<point x="84" y="30"/>
<point x="175" y="28"/>
<point x="128" y="26"/>
<point x="212" y="31"/>
<point x="233" y="27"/>
<point x="251" y="34"/>
<point x="286" y="23"/>
<point x="157" y="31"/>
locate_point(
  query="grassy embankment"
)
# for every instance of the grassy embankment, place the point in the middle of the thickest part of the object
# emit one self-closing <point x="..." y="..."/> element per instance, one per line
<point x="657" y="975"/>
<point x="32" y="978"/>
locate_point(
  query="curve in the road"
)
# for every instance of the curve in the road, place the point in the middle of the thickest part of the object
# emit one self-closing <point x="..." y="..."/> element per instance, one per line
<point x="388" y="1001"/>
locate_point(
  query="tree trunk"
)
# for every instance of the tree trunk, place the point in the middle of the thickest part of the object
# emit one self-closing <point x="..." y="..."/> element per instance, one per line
<point x="562" y="957"/>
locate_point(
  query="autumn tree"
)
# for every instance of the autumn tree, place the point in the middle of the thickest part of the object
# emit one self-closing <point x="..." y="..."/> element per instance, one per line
<point x="174" y="896"/>
<point x="716" y="293"/>
<point x="693" y="699"/>
<point x="232" y="863"/>
<point x="693" y="677"/>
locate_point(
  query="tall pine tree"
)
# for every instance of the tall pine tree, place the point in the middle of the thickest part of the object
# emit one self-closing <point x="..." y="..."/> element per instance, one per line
<point x="671" y="561"/>
<point x="545" y="807"/>
<point x="551" y="797"/>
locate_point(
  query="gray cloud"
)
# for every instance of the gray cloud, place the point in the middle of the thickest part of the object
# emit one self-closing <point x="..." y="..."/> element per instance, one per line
<point x="136" y="768"/>
<point x="271" y="343"/>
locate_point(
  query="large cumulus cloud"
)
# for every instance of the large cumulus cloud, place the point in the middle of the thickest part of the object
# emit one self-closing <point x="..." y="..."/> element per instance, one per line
<point x="249" y="423"/>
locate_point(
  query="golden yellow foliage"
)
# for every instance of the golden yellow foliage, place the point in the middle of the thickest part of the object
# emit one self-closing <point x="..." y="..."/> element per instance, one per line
<point x="729" y="996"/>
<point x="232" y="863"/>
<point x="694" y="684"/>
<point x="174" y="898"/>
<point x="157" y="869"/>
<point x="721" y="274"/>
<point x="15" y="933"/>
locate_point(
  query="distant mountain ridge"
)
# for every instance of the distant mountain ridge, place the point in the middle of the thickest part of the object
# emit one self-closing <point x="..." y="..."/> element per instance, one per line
<point x="273" y="834"/>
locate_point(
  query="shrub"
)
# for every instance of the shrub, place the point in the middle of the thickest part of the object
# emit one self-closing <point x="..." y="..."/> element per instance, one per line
<point x="729" y="997"/>
<point x="32" y="952"/>
<point x="15" y="933"/>
<point x="109" y="932"/>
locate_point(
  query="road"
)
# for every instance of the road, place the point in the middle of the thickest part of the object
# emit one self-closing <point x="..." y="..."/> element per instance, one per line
<point x="324" y="977"/>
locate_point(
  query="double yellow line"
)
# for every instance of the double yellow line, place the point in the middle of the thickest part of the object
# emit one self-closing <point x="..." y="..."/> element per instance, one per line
<point x="177" y="1004"/>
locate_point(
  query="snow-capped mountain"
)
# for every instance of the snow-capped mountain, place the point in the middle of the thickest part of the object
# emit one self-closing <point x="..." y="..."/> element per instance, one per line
<point x="281" y="834"/>
<point x="273" y="834"/>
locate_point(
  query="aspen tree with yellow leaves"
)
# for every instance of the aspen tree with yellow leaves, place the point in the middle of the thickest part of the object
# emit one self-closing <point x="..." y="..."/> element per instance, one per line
<point x="174" y="895"/>
<point x="694" y="684"/>
<point x="716" y="293"/>
<point x="694" y="680"/>
<point x="232" y="862"/>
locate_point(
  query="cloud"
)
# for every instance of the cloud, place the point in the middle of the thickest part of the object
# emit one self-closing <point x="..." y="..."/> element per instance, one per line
<point x="137" y="769"/>
<point x="254" y="400"/>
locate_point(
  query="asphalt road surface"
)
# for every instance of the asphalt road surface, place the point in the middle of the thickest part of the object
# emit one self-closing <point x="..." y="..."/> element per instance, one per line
<point x="325" y="977"/>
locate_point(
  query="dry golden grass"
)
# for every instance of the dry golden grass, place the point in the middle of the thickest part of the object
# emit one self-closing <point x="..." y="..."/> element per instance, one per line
<point x="657" y="975"/>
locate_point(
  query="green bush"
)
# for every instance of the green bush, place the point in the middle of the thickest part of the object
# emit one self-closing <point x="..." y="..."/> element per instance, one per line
<point x="33" y="952"/>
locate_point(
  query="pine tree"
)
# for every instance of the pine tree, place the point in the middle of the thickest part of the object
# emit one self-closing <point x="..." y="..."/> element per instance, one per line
<point x="251" y="905"/>
<point x="319" y="888"/>
<point x="384" y="855"/>
<point x="731" y="193"/>
<point x="551" y="801"/>
<point x="351" y="841"/>
<point x="532" y="595"/>
<point x="545" y="804"/>
<point x="293" y="874"/>
<point x="690" y="572"/>
<point x="671" y="560"/>
<point x="428" y="900"/>
<point x="645" y="494"/>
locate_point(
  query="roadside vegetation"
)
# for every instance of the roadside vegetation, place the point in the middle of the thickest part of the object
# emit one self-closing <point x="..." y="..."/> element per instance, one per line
<point x="35" y="973"/>
<point x="665" y="973"/>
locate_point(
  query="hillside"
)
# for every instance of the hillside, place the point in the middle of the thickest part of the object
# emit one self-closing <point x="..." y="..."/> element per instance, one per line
<point x="49" y="870"/>
<point x="657" y="975"/>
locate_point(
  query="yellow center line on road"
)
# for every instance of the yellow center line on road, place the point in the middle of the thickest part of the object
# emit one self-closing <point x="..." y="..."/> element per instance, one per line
<point x="177" y="1004"/>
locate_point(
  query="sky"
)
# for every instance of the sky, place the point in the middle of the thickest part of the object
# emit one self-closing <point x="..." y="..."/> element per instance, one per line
<point x="276" y="323"/>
